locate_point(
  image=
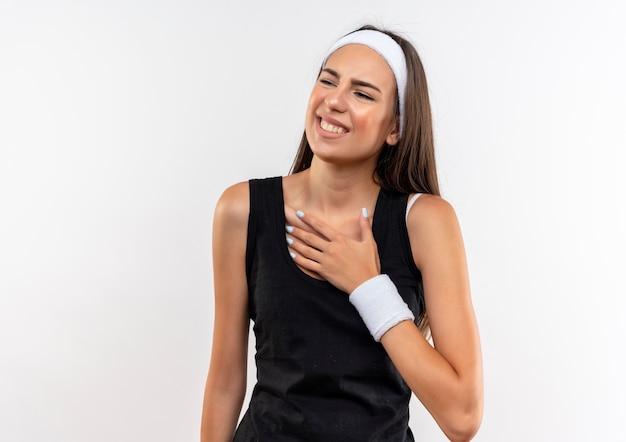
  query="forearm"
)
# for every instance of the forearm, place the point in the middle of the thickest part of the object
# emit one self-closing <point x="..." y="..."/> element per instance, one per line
<point x="453" y="398"/>
<point x="226" y="381"/>
<point x="220" y="414"/>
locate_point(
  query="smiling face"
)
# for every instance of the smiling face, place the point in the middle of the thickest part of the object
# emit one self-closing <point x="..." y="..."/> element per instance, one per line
<point x="351" y="110"/>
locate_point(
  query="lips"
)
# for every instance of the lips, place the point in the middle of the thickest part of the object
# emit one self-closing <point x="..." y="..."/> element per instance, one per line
<point x="332" y="128"/>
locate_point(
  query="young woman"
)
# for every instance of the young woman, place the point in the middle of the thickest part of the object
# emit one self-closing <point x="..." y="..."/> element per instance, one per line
<point x="345" y="266"/>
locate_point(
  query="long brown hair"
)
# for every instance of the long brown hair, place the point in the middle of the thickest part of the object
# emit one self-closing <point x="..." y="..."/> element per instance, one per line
<point x="408" y="166"/>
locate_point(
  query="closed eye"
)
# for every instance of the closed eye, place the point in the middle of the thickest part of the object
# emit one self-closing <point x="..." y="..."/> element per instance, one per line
<point x="326" y="82"/>
<point x="363" y="95"/>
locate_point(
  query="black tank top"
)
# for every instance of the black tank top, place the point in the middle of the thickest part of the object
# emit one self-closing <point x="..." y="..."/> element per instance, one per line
<point x="320" y="375"/>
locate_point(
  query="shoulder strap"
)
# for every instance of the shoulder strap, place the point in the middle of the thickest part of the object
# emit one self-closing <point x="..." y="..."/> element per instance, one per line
<point x="410" y="203"/>
<point x="264" y="193"/>
<point x="251" y="239"/>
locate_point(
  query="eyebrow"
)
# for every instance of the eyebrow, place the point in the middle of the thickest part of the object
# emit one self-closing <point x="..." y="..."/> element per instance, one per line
<point x="355" y="82"/>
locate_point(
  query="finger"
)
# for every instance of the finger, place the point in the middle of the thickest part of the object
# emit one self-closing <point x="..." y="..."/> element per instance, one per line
<point x="367" y="234"/>
<point x="292" y="220"/>
<point x="318" y="225"/>
<point x="304" y="250"/>
<point x="307" y="266"/>
<point x="366" y="226"/>
<point x="307" y="238"/>
<point x="310" y="267"/>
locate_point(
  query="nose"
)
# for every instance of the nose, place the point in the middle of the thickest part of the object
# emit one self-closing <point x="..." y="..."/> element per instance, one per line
<point x="336" y="99"/>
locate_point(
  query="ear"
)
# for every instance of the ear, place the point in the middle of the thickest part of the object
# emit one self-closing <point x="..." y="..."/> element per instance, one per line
<point x="394" y="135"/>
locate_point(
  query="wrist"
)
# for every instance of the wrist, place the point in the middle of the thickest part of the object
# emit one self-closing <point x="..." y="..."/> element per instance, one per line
<point x="380" y="305"/>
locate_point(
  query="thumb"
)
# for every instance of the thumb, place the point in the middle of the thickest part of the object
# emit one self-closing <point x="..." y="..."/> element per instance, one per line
<point x="366" y="227"/>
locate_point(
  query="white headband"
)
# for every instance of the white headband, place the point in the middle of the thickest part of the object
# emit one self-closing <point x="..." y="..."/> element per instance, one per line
<point x="386" y="48"/>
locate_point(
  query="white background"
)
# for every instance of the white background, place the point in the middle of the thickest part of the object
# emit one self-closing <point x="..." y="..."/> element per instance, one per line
<point x="121" y="122"/>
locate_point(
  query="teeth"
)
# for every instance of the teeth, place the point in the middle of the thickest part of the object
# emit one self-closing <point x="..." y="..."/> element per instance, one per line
<point x="331" y="128"/>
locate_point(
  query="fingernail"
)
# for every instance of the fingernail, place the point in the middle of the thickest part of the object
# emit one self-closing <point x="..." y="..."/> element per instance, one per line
<point x="289" y="229"/>
<point x="293" y="255"/>
<point x="299" y="213"/>
<point x="364" y="212"/>
<point x="289" y="241"/>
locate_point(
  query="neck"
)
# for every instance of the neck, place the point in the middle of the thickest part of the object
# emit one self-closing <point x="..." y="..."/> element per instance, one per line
<point x="333" y="192"/>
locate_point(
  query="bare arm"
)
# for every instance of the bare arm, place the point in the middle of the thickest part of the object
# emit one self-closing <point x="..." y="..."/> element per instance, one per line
<point x="447" y="378"/>
<point x="226" y="381"/>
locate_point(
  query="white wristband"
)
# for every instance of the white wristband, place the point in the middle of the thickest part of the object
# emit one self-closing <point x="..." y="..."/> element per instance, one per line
<point x="380" y="305"/>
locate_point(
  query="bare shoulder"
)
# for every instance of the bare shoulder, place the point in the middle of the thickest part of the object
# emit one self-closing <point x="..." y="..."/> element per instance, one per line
<point x="430" y="211"/>
<point x="233" y="207"/>
<point x="432" y="223"/>
<point x="230" y="226"/>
